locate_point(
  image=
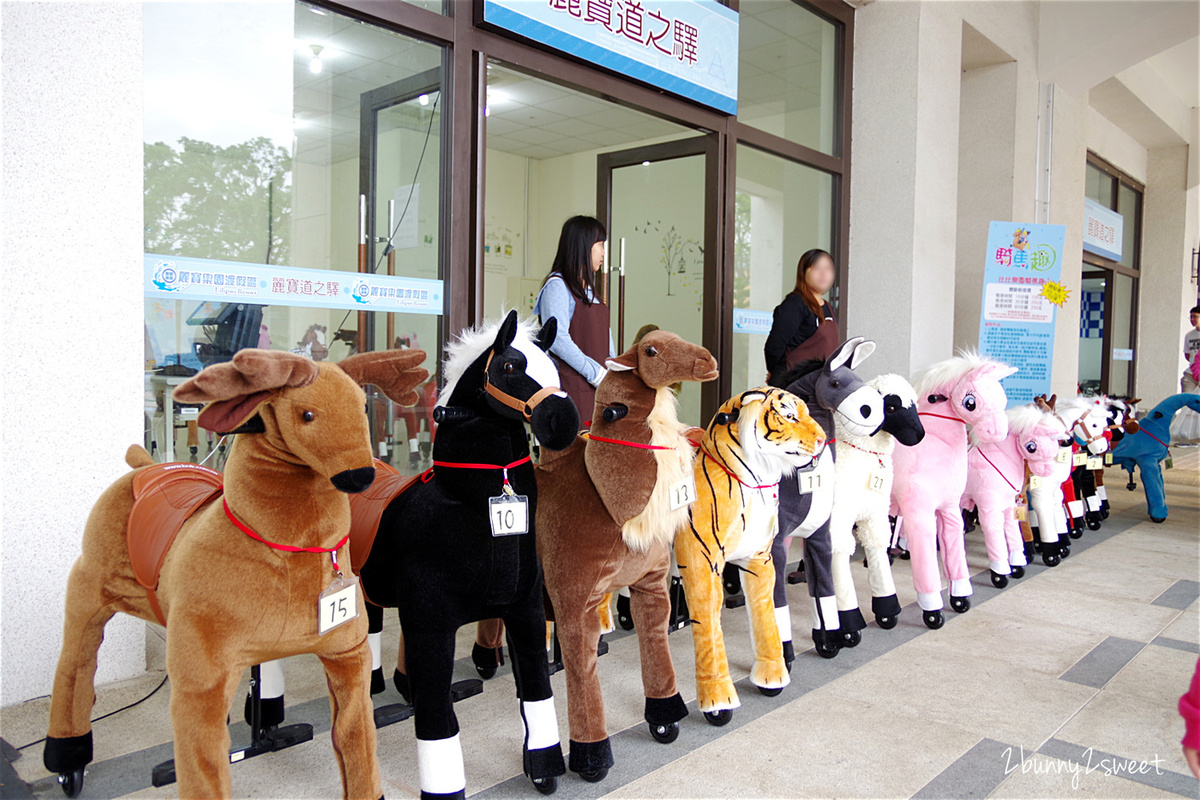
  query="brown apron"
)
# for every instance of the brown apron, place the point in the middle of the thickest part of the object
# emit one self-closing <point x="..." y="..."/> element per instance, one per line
<point x="589" y="331"/>
<point x="819" y="346"/>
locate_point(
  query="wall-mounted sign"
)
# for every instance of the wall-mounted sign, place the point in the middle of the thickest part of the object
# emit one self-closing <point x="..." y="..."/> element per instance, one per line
<point x="1122" y="354"/>
<point x="747" y="320"/>
<point x="1103" y="230"/>
<point x="267" y="284"/>
<point x="1020" y="293"/>
<point x="687" y="47"/>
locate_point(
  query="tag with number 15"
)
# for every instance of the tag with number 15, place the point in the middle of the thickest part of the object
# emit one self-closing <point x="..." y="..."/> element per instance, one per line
<point x="338" y="604"/>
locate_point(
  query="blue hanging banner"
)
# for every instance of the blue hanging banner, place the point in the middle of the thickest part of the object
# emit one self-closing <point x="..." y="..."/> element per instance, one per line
<point x="687" y="47"/>
<point x="1021" y="291"/>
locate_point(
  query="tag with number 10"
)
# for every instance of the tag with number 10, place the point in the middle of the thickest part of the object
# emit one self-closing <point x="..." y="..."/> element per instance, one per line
<point x="509" y="514"/>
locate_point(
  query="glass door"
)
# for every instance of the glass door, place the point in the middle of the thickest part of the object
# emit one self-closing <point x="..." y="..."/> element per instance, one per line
<point x="661" y="261"/>
<point x="400" y="235"/>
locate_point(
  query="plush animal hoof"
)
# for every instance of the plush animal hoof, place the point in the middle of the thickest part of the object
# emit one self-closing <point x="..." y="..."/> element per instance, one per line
<point x="789" y="654"/>
<point x="887" y="623"/>
<point x="827" y="649"/>
<point x="487" y="660"/>
<point x="624" y="614"/>
<point x="1104" y="511"/>
<point x="891" y="558"/>
<point x="1159" y="520"/>
<point x="851" y="638"/>
<point x="378" y="684"/>
<point x="594" y="775"/>
<point x="998" y="580"/>
<point x="400" y="680"/>
<point x="545" y="785"/>
<point x="770" y="692"/>
<point x="71" y="782"/>
<point x="1093" y="522"/>
<point x="665" y="733"/>
<point x="1050" y="559"/>
<point x="1018" y="572"/>
<point x="960" y="604"/>
<point x="718" y="718"/>
<point x="933" y="619"/>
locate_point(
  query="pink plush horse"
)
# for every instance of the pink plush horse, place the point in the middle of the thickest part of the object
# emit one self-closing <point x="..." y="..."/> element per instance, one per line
<point x="953" y="396"/>
<point x="995" y="481"/>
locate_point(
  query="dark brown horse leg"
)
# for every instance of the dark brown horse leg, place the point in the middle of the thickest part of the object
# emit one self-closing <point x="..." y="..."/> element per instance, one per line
<point x="650" y="604"/>
<point x="578" y="625"/>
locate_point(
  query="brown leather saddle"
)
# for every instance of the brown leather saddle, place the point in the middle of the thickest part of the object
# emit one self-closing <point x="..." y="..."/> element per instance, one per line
<point x="164" y="497"/>
<point x="366" y="509"/>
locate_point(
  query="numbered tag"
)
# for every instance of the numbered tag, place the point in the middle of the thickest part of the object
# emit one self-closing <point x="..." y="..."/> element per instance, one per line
<point x="1080" y="459"/>
<point x="509" y="514"/>
<point x="1020" y="512"/>
<point x="337" y="604"/>
<point x="684" y="492"/>
<point x="875" y="482"/>
<point x="1108" y="459"/>
<point x="809" y="481"/>
<point x="1095" y="462"/>
<point x="1035" y="481"/>
<point x="1064" y="455"/>
<point x="1169" y="463"/>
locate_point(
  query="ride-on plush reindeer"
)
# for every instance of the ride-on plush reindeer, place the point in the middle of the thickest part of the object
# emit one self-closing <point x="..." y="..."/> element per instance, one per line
<point x="610" y="506"/>
<point x="240" y="578"/>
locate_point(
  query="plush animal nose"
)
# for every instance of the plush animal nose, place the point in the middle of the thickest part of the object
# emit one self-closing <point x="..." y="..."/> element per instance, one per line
<point x="865" y="411"/>
<point x="352" y="481"/>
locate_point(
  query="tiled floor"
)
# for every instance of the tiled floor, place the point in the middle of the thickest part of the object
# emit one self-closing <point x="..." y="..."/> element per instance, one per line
<point x="1052" y="687"/>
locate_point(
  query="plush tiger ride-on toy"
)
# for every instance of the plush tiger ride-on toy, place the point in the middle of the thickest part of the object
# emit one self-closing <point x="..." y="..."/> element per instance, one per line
<point x="752" y="442"/>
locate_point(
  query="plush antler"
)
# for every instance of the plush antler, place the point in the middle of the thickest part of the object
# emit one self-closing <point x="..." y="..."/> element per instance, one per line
<point x="234" y="389"/>
<point x="397" y="373"/>
<point x="1044" y="404"/>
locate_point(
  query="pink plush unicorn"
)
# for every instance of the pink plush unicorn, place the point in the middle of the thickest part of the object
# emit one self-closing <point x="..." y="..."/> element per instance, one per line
<point x="953" y="396"/>
<point x="995" y="481"/>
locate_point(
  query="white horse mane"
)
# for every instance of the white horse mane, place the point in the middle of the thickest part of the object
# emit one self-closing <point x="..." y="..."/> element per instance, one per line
<point x="1073" y="409"/>
<point x="474" y="342"/>
<point x="951" y="371"/>
<point x="1022" y="420"/>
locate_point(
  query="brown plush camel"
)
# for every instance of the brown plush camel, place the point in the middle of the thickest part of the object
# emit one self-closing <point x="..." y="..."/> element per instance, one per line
<point x="608" y="509"/>
<point x="236" y="574"/>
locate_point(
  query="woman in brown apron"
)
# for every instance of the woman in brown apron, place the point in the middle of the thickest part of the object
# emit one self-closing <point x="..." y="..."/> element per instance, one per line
<point x="803" y="327"/>
<point x="580" y="350"/>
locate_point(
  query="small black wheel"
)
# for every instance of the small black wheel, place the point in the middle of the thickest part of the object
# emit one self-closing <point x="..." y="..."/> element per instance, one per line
<point x="960" y="604"/>
<point x="1104" y="512"/>
<point x="827" y="649"/>
<point x="770" y="692"/>
<point x="1076" y="533"/>
<point x="1064" y="551"/>
<point x="71" y="782"/>
<point x="887" y="623"/>
<point x="1131" y="486"/>
<point x="665" y="733"/>
<point x="1158" y="520"/>
<point x="905" y="555"/>
<point x="487" y="673"/>
<point x="731" y="580"/>
<point x="624" y="614"/>
<point x="1093" y="522"/>
<point x="1050" y="559"/>
<point x="594" y="775"/>
<point x="998" y="580"/>
<point x="933" y="619"/>
<point x="1018" y="572"/>
<point x="718" y="718"/>
<point x="545" y="785"/>
<point x="851" y="638"/>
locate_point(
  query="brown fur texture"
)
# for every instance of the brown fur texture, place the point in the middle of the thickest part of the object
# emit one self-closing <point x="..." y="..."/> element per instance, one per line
<point x="735" y="517"/>
<point x="587" y="497"/>
<point x="230" y="601"/>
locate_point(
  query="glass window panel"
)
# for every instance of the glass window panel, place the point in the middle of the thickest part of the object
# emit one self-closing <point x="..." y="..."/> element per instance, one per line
<point x="1098" y="186"/>
<point x="1122" y="335"/>
<point x="256" y="156"/>
<point x="1130" y="208"/>
<point x="1091" y="333"/>
<point x="782" y="210"/>
<point x="787" y="72"/>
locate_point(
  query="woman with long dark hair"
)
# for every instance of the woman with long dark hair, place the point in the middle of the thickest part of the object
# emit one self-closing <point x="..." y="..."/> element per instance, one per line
<point x="568" y="294"/>
<point x="803" y="326"/>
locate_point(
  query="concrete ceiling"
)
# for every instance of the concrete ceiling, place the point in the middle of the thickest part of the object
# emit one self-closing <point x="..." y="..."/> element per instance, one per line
<point x="1179" y="67"/>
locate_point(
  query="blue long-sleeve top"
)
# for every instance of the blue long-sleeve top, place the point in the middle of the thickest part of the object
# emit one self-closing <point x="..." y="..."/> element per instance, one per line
<point x="555" y="300"/>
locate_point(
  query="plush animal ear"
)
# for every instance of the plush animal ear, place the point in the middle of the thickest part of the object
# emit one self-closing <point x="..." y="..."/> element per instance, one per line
<point x="235" y="389"/>
<point x="861" y="352"/>
<point x="506" y="333"/>
<point x="844" y="353"/>
<point x="397" y="373"/>
<point x="546" y="335"/>
<point x="621" y="362"/>
<point x="998" y="371"/>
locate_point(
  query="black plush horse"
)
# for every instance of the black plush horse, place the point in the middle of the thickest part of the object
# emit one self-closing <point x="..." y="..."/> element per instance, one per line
<point x="452" y="548"/>
<point x="806" y="498"/>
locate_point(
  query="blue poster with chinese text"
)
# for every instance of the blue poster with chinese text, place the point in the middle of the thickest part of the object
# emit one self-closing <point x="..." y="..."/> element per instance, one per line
<point x="1021" y="290"/>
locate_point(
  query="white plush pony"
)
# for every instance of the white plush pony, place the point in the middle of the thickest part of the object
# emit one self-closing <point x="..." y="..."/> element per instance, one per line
<point x="1047" y="513"/>
<point x="860" y="506"/>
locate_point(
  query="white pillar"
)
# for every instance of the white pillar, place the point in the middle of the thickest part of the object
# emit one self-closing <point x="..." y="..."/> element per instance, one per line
<point x="72" y="289"/>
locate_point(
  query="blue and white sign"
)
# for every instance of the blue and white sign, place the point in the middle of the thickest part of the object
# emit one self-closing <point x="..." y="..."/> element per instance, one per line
<point x="1020" y="294"/>
<point x="185" y="278"/>
<point x="746" y="320"/>
<point x="1103" y="230"/>
<point x="687" y="47"/>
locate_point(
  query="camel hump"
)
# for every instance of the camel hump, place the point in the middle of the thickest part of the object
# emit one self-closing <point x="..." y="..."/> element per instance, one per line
<point x="137" y="456"/>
